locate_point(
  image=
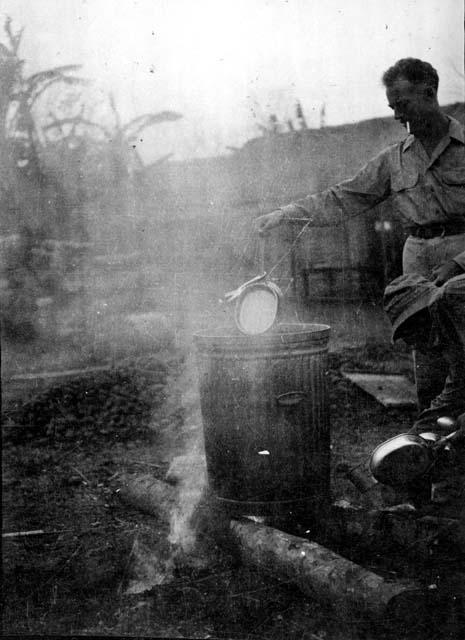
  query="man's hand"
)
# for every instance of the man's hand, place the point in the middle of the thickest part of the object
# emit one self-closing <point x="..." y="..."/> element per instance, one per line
<point x="265" y="223"/>
<point x="447" y="271"/>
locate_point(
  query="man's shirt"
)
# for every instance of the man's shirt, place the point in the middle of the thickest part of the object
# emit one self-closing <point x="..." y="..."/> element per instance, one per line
<point x="424" y="189"/>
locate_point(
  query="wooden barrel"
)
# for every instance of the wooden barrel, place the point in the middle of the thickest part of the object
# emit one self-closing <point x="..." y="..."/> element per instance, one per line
<point x="265" y="418"/>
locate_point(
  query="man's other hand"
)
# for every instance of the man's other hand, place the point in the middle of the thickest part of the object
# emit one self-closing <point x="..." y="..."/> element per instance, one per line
<point x="269" y="221"/>
<point x="445" y="272"/>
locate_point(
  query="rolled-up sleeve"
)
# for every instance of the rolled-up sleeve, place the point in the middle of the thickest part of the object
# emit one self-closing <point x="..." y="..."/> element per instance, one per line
<point x="460" y="259"/>
<point x="369" y="187"/>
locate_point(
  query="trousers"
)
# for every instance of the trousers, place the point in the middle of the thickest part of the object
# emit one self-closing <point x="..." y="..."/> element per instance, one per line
<point x="423" y="256"/>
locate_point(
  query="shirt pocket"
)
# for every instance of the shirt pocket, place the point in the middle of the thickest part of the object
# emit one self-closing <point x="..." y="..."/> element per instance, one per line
<point x="451" y="184"/>
<point x="453" y="177"/>
<point x="403" y="180"/>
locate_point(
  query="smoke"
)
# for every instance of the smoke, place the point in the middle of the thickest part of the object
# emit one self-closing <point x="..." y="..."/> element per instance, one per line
<point x="188" y="469"/>
<point x="154" y="558"/>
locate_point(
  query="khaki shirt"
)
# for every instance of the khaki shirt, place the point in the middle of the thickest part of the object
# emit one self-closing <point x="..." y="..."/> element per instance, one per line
<point x="423" y="189"/>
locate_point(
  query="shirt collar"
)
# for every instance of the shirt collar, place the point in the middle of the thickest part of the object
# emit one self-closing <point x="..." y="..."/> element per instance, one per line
<point x="409" y="140"/>
<point x="455" y="131"/>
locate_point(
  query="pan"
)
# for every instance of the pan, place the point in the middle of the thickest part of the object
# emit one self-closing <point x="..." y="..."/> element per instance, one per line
<point x="258" y="307"/>
<point x="407" y="457"/>
<point x="258" y="302"/>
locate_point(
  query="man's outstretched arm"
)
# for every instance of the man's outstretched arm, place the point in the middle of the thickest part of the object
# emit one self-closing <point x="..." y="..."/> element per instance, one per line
<point x="369" y="187"/>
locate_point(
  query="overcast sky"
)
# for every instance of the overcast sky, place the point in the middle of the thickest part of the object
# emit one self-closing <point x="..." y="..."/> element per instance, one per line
<point x="226" y="65"/>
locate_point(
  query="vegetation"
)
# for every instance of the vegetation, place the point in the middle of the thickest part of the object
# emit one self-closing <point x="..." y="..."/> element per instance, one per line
<point x="66" y="178"/>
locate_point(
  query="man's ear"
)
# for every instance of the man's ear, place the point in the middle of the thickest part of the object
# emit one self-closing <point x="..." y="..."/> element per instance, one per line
<point x="430" y="92"/>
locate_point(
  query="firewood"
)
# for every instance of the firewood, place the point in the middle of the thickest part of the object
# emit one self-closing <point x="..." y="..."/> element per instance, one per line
<point x="325" y="575"/>
<point x="148" y="494"/>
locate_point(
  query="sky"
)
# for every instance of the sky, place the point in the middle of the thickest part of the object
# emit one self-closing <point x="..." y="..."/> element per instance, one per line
<point x="227" y="65"/>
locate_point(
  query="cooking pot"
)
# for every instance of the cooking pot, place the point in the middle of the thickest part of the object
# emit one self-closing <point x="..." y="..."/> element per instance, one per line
<point x="407" y="457"/>
<point x="258" y="307"/>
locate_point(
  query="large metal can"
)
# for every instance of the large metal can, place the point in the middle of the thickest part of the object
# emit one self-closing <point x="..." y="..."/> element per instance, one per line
<point x="265" y="418"/>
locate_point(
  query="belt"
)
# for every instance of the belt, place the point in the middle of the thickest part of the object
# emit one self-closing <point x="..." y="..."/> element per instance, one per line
<point x="437" y="229"/>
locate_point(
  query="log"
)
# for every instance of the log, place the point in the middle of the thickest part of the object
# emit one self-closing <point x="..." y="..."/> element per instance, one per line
<point x="160" y="499"/>
<point x="148" y="494"/>
<point x="325" y="575"/>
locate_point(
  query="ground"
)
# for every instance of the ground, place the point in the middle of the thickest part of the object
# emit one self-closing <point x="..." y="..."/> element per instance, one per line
<point x="104" y="567"/>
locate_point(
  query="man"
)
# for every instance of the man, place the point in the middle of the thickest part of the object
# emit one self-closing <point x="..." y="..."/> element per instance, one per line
<point x="425" y="176"/>
<point x="433" y="319"/>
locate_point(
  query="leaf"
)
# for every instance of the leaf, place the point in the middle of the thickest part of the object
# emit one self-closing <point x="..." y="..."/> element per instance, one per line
<point x="76" y="120"/>
<point x="148" y="120"/>
<point x="159" y="161"/>
<point x="65" y="79"/>
<point x="111" y="99"/>
<point x="14" y="39"/>
<point x="6" y="52"/>
<point x="41" y="76"/>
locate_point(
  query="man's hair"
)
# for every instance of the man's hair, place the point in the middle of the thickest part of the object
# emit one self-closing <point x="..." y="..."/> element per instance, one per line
<point x="414" y="70"/>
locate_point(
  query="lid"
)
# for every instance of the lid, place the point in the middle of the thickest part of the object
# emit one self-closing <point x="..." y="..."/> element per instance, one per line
<point x="257" y="308"/>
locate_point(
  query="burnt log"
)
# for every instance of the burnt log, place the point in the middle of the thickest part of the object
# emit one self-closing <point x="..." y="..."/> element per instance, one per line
<point x="148" y="494"/>
<point x="326" y="576"/>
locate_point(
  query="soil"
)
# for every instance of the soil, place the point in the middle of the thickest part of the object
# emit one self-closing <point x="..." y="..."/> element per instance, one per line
<point x="102" y="567"/>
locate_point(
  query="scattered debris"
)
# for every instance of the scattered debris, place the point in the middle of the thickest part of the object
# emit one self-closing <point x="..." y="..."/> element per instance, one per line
<point x="120" y="398"/>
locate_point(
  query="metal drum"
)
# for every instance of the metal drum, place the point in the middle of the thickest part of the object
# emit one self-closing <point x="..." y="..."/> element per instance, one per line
<point x="265" y="418"/>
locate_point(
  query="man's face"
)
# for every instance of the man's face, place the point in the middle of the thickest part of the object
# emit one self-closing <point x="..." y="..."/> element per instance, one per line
<point x="411" y="103"/>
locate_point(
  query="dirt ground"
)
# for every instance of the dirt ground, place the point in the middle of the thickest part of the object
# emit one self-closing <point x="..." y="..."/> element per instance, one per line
<point x="101" y="567"/>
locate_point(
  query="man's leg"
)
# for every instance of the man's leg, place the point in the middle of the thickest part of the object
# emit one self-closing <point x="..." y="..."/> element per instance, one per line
<point x="430" y="370"/>
<point x="422" y="256"/>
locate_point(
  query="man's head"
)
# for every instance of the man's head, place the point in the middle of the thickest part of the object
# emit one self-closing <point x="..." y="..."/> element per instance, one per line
<point x="411" y="91"/>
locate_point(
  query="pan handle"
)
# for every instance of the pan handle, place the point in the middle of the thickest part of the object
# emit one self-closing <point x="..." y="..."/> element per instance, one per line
<point x="290" y="399"/>
<point x="449" y="439"/>
<point x="261" y="252"/>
